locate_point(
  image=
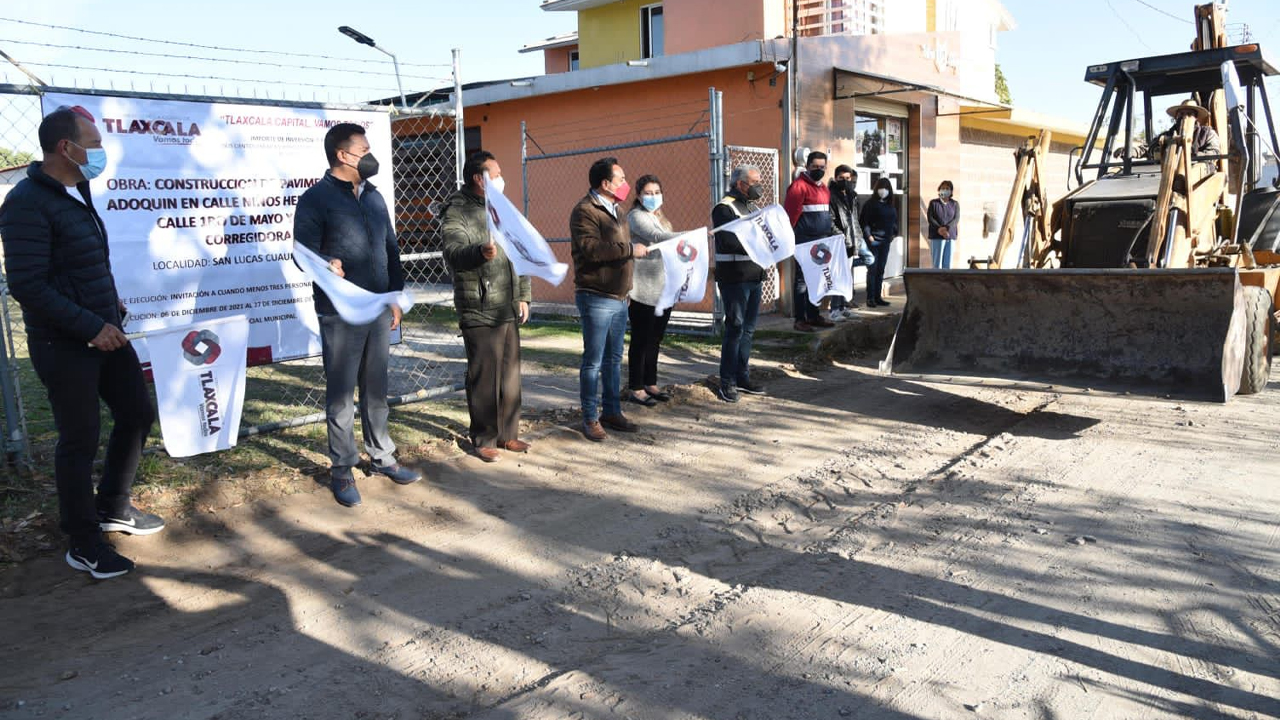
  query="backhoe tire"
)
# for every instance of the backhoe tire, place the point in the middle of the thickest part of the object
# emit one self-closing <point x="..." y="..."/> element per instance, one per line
<point x="1257" y="344"/>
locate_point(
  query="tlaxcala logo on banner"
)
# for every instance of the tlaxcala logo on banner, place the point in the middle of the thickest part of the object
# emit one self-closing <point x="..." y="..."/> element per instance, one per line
<point x="200" y="347"/>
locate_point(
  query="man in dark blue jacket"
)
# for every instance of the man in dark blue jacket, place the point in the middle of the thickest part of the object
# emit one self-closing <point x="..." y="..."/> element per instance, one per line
<point x="344" y="219"/>
<point x="59" y="271"/>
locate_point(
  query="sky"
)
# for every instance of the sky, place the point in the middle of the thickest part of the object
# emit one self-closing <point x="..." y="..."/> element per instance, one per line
<point x="1043" y="59"/>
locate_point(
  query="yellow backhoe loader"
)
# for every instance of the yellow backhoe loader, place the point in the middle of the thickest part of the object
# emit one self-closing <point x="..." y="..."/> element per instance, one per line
<point x="1158" y="274"/>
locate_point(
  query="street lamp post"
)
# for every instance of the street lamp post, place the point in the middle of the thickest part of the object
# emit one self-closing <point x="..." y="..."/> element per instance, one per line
<point x="366" y="40"/>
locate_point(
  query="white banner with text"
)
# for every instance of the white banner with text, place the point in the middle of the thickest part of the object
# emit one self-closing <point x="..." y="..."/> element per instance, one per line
<point x="198" y="201"/>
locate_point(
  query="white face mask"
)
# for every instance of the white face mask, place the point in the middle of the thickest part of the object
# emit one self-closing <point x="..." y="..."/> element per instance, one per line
<point x="499" y="184"/>
<point x="883" y="193"/>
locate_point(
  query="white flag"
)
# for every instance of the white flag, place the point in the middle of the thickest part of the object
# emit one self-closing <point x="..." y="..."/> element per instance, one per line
<point x="199" y="372"/>
<point x="684" y="262"/>
<point x="520" y="240"/>
<point x="826" y="268"/>
<point x="765" y="234"/>
<point x="354" y="304"/>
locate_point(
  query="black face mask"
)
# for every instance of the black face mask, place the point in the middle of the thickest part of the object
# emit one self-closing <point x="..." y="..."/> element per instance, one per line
<point x="755" y="192"/>
<point x="843" y="186"/>
<point x="817" y="173"/>
<point x="367" y="167"/>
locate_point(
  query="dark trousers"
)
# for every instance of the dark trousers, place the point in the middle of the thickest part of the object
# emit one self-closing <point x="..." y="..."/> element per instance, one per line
<point x="741" y="308"/>
<point x="647" y="331"/>
<point x="356" y="356"/>
<point x="875" y="273"/>
<point x="493" y="383"/>
<point x="803" y="310"/>
<point x="76" y="376"/>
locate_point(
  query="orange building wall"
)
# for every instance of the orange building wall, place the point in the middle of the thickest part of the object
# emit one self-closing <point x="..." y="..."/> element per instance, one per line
<point x="556" y="60"/>
<point x="620" y="114"/>
<point x="710" y="23"/>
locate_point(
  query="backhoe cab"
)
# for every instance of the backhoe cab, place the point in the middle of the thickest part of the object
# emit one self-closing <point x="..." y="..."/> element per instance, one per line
<point x="1158" y="200"/>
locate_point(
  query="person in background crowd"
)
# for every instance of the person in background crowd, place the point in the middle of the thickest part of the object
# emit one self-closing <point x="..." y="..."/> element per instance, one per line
<point x="740" y="282"/>
<point x="344" y="219"/>
<point x="808" y="206"/>
<point x="944" y="218"/>
<point x="648" y="225"/>
<point x="603" y="263"/>
<point x="844" y="216"/>
<point x="879" y="218"/>
<point x="492" y="301"/>
<point x="59" y="270"/>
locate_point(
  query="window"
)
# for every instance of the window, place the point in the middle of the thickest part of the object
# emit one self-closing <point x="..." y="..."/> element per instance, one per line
<point x="573" y="60"/>
<point x="651" y="33"/>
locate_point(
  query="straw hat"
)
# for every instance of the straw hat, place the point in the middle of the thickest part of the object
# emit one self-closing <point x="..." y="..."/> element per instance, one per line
<point x="1202" y="115"/>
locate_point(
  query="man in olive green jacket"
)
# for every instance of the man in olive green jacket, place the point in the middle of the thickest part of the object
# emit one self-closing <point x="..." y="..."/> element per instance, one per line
<point x="491" y="301"/>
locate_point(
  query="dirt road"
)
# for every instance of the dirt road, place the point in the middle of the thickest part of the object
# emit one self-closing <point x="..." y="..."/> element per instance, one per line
<point x="852" y="547"/>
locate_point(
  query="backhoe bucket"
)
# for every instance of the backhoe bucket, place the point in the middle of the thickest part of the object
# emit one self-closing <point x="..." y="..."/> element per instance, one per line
<point x="1169" y="331"/>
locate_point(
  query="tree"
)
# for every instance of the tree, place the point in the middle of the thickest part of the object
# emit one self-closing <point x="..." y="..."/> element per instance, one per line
<point x="1002" y="87"/>
<point x="13" y="158"/>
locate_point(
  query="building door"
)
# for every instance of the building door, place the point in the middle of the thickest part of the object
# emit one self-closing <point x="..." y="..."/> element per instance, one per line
<point x="880" y="139"/>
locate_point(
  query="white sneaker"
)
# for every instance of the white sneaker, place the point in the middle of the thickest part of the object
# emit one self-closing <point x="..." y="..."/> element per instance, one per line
<point x="838" y="316"/>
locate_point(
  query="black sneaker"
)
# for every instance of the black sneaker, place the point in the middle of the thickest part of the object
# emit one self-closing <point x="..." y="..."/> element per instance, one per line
<point x="99" y="560"/>
<point x="750" y="388"/>
<point x="132" y="521"/>
<point x="727" y="393"/>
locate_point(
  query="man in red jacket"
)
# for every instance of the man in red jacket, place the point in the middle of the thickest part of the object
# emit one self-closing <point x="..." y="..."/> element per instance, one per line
<point x="808" y="205"/>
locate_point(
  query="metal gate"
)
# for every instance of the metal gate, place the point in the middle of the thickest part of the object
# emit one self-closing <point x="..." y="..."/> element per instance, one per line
<point x="690" y="166"/>
<point x="766" y="159"/>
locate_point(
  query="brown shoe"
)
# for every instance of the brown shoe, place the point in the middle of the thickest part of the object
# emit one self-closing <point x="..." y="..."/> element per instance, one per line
<point x="822" y="322"/>
<point x="488" y="454"/>
<point x="802" y="326"/>
<point x="592" y="431"/>
<point x="619" y="422"/>
<point x="518" y="446"/>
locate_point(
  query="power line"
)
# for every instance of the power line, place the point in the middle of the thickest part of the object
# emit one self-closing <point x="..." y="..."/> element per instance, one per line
<point x="1127" y="25"/>
<point x="260" y="63"/>
<point x="1164" y="12"/>
<point x="247" y="81"/>
<point x="210" y="47"/>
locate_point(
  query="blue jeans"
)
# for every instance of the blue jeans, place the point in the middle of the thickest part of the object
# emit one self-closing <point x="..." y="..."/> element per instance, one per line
<point x="741" y="308"/>
<point x="604" y="326"/>
<point x="940" y="249"/>
<point x="862" y="256"/>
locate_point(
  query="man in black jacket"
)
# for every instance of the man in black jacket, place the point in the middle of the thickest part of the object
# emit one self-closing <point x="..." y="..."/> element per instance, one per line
<point x="740" y="282"/>
<point x="844" y="216"/>
<point x="59" y="271"/>
<point x="344" y="219"/>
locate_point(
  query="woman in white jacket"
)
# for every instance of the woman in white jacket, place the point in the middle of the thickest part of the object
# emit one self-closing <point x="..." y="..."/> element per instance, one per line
<point x="648" y="226"/>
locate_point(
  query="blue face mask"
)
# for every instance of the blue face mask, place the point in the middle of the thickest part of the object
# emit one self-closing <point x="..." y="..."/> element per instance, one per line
<point x="651" y="202"/>
<point x="95" y="162"/>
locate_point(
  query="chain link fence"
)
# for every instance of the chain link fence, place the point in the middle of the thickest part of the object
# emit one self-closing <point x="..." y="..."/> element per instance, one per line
<point x="554" y="181"/>
<point x="428" y="361"/>
<point x="766" y="160"/>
